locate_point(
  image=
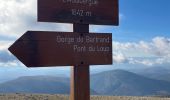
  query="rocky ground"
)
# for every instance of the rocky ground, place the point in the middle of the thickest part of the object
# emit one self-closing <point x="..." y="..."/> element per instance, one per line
<point x="19" y="96"/>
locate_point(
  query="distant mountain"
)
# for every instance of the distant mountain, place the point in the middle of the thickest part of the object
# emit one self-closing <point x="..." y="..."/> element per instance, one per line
<point x="165" y="77"/>
<point x="120" y="82"/>
<point x="38" y="84"/>
<point x="115" y="82"/>
<point x="158" y="73"/>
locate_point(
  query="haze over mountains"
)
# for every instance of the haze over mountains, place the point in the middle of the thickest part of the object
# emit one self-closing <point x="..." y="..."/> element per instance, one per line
<point x="159" y="73"/>
<point x="114" y="82"/>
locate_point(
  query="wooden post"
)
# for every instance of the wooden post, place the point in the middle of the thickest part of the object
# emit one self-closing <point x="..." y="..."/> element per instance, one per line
<point x="80" y="76"/>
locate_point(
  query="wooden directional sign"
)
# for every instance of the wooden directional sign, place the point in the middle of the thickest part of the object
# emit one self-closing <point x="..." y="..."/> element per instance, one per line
<point x="40" y="49"/>
<point x="102" y="12"/>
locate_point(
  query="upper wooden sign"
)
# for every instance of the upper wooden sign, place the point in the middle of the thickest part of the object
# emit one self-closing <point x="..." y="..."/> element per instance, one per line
<point x="101" y="12"/>
<point x="42" y="49"/>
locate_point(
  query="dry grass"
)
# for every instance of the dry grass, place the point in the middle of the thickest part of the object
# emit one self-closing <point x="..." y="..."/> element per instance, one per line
<point x="64" y="97"/>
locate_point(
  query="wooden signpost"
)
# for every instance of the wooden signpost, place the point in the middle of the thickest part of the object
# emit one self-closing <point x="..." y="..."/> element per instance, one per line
<point x="41" y="49"/>
<point x="78" y="49"/>
<point x="102" y="12"/>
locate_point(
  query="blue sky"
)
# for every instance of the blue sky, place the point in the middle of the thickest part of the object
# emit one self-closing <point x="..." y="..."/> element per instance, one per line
<point x="142" y="38"/>
<point x="143" y="19"/>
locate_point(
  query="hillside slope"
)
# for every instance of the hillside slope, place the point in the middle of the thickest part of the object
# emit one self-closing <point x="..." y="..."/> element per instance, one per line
<point x="120" y="82"/>
<point x="36" y="84"/>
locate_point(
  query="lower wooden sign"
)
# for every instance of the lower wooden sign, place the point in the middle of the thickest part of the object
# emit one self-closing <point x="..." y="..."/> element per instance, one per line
<point x="42" y="49"/>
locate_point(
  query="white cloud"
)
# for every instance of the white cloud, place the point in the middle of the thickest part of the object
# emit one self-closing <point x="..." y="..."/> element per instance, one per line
<point x="12" y="64"/>
<point x="158" y="46"/>
<point x="4" y="45"/>
<point x="19" y="16"/>
<point x="119" y="58"/>
<point x="144" y="62"/>
<point x="149" y="61"/>
<point x="158" y="49"/>
<point x="161" y="46"/>
<point x="5" y="55"/>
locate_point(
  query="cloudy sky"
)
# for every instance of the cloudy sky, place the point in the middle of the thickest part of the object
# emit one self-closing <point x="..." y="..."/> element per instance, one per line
<point x="143" y="36"/>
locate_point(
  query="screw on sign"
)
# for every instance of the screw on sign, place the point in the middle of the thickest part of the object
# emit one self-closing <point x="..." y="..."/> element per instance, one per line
<point x="78" y="49"/>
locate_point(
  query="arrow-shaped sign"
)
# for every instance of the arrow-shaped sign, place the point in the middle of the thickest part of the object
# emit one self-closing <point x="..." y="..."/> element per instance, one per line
<point x="40" y="49"/>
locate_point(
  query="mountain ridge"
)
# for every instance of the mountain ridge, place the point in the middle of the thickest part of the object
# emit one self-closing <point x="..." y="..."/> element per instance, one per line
<point x="120" y="82"/>
<point x="114" y="82"/>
